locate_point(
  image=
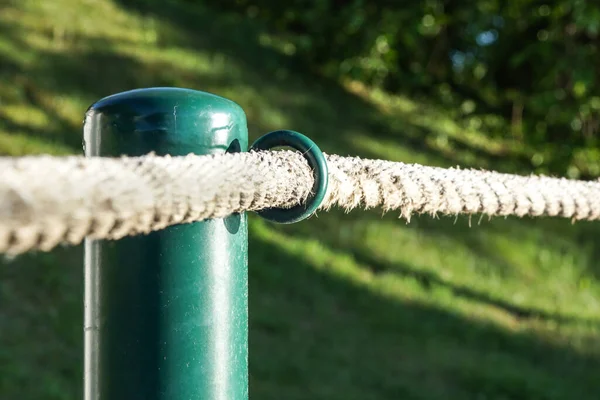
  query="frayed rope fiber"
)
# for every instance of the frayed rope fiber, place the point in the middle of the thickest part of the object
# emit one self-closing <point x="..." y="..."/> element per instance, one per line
<point x="46" y="201"/>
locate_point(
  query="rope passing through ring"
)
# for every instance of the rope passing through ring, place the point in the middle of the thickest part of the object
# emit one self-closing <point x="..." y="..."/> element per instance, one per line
<point x="49" y="200"/>
<point x="316" y="161"/>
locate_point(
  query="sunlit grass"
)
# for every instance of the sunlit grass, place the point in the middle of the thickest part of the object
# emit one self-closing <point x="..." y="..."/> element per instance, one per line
<point x="20" y="144"/>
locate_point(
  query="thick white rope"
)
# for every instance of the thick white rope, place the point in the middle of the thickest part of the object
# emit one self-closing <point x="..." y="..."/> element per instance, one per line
<point x="45" y="201"/>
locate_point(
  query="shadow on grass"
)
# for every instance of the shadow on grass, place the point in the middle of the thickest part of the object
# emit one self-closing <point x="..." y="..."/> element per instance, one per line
<point x="41" y="325"/>
<point x="313" y="335"/>
<point x="428" y="280"/>
<point x="328" y="233"/>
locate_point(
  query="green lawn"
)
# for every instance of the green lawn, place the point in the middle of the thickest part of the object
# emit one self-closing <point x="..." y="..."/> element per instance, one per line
<point x="343" y="306"/>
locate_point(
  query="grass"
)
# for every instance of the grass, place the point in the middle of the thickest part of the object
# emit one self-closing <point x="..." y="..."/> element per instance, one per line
<point x="344" y="306"/>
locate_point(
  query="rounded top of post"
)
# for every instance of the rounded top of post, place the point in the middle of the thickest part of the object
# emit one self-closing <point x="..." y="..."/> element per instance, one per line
<point x="165" y="120"/>
<point x="164" y="98"/>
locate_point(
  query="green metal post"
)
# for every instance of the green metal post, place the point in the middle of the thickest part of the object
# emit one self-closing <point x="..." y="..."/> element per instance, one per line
<point x="166" y="313"/>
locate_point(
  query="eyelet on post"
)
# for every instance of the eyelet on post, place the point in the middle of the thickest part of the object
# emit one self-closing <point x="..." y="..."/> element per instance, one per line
<point x="316" y="161"/>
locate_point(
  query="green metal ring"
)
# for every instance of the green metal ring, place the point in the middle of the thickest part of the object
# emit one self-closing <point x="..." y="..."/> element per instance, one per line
<point x="316" y="161"/>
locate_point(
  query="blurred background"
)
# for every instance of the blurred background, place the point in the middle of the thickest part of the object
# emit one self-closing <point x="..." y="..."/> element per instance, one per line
<point x="342" y="306"/>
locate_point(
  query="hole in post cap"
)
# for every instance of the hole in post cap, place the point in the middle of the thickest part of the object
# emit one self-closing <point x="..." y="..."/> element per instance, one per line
<point x="234" y="147"/>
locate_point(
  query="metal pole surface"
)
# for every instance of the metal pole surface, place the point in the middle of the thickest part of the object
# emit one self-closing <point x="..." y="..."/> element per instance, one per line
<point x="166" y="314"/>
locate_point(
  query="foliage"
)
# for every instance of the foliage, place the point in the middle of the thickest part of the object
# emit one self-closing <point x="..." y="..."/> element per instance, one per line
<point x="534" y="63"/>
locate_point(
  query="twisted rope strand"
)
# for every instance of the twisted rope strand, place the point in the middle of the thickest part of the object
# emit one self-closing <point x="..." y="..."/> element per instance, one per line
<point x="45" y="201"/>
